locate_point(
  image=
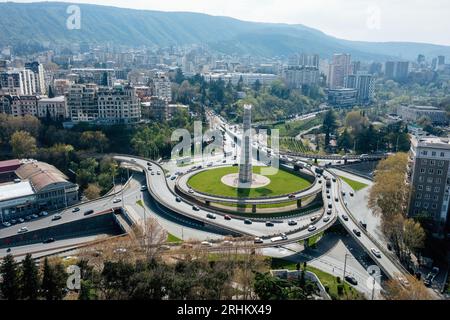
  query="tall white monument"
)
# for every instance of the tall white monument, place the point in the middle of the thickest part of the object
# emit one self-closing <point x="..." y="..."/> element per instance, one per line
<point x="245" y="166"/>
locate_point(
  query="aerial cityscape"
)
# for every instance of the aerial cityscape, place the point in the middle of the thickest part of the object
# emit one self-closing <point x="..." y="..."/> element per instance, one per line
<point x="186" y="155"/>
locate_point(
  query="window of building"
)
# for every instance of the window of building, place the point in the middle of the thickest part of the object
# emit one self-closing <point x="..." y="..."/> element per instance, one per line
<point x="430" y="180"/>
<point x="439" y="172"/>
<point x="425" y="205"/>
<point x="434" y="206"/>
<point x="438" y="180"/>
<point x="427" y="196"/>
<point x="419" y="196"/>
<point x="442" y="154"/>
<point x="432" y="162"/>
<point x="424" y="162"/>
<point x="433" y="153"/>
<point x="435" y="198"/>
<point x="421" y="179"/>
<point x="428" y="188"/>
<point x="418" y="204"/>
<point x="425" y="153"/>
<point x="436" y="189"/>
<point x="422" y="170"/>
<point x="441" y="163"/>
<point x="430" y="171"/>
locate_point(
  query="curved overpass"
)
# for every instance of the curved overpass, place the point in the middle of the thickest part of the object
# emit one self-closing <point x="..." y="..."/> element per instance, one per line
<point x="166" y="197"/>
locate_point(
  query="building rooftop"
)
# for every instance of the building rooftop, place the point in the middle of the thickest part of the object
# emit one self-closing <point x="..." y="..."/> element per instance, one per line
<point x="9" y="165"/>
<point x="15" y="190"/>
<point x="55" y="99"/>
<point x="40" y="174"/>
<point x="424" y="108"/>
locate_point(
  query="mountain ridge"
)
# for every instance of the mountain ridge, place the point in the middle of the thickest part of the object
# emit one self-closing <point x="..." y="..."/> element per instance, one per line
<point x="131" y="27"/>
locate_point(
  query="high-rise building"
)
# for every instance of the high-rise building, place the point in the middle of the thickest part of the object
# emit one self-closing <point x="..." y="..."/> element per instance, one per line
<point x="82" y="102"/>
<point x="162" y="87"/>
<point x="100" y="76"/>
<point x="340" y="68"/>
<point x="302" y="70"/>
<point x="430" y="181"/>
<point x="396" y="70"/>
<point x="18" y="82"/>
<point x="39" y="76"/>
<point x="375" y="68"/>
<point x="365" y="84"/>
<point x="119" y="104"/>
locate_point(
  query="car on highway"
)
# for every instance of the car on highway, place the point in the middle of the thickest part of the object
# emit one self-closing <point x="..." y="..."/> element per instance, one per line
<point x="158" y="173"/>
<point x="363" y="225"/>
<point x="312" y="228"/>
<point x="49" y="240"/>
<point x="334" y="179"/>
<point x="227" y="243"/>
<point x="269" y="224"/>
<point x="191" y="191"/>
<point x="336" y="199"/>
<point x="22" y="230"/>
<point x="428" y="280"/>
<point x="8" y="250"/>
<point x="345" y="217"/>
<point x="376" y="252"/>
<point x="195" y="208"/>
<point x="329" y="211"/>
<point x="6" y="224"/>
<point x="313" y="218"/>
<point x="173" y="178"/>
<point x="210" y="164"/>
<point x="13" y="221"/>
<point x="56" y="217"/>
<point x="291" y="196"/>
<point x="357" y="232"/>
<point x="117" y="200"/>
<point x="152" y="173"/>
<point x="351" y="194"/>
<point x="227" y="217"/>
<point x="351" y="280"/>
<point x="258" y="240"/>
<point x="403" y="281"/>
<point x="343" y="193"/>
<point x="133" y="160"/>
<point x="88" y="212"/>
<point x="328" y="196"/>
<point x="320" y="181"/>
<point x="206" y="244"/>
<point x="248" y="221"/>
<point x="34" y="216"/>
<point x="328" y="191"/>
<point x="435" y="271"/>
<point x="292" y="222"/>
<point x="21" y="220"/>
<point x="144" y="188"/>
<point x="75" y="209"/>
<point x="326" y="219"/>
<point x="149" y="164"/>
<point x="330" y="205"/>
<point x="178" y="199"/>
<point x="211" y="216"/>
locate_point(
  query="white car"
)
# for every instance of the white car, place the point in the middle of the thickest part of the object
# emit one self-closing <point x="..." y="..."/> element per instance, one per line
<point x="376" y="252"/>
<point x="312" y="228"/>
<point x="22" y="230"/>
<point x="117" y="200"/>
<point x="206" y="244"/>
<point x="326" y="219"/>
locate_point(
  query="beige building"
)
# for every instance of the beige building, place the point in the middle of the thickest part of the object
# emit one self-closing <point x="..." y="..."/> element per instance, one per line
<point x="55" y="108"/>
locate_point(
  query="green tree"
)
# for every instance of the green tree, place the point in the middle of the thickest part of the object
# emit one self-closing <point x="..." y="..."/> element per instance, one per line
<point x="29" y="279"/>
<point x="9" y="285"/>
<point x="23" y="144"/>
<point x="54" y="281"/>
<point x="329" y="125"/>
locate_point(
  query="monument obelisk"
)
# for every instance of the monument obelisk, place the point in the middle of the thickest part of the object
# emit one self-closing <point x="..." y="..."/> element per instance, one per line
<point x="245" y="166"/>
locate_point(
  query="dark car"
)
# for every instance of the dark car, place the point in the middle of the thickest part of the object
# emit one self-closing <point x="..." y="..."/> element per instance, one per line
<point x="345" y="217"/>
<point x="56" y="217"/>
<point x="195" y="208"/>
<point x="178" y="199"/>
<point x="362" y="224"/>
<point x="8" y="250"/>
<point x="227" y="217"/>
<point x="269" y="224"/>
<point x="86" y="213"/>
<point x="75" y="209"/>
<point x="248" y="221"/>
<point x="357" y="232"/>
<point x="351" y="280"/>
<point x="49" y="240"/>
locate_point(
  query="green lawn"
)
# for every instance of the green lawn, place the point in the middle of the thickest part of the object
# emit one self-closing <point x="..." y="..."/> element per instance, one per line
<point x="172" y="239"/>
<point x="329" y="281"/>
<point x="280" y="184"/>
<point x="354" y="184"/>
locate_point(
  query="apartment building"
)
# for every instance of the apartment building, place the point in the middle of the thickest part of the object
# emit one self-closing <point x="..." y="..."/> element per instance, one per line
<point x="430" y="181"/>
<point x="119" y="104"/>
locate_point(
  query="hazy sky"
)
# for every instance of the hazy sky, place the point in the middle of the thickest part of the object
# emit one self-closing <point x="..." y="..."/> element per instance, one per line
<point x="371" y="20"/>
